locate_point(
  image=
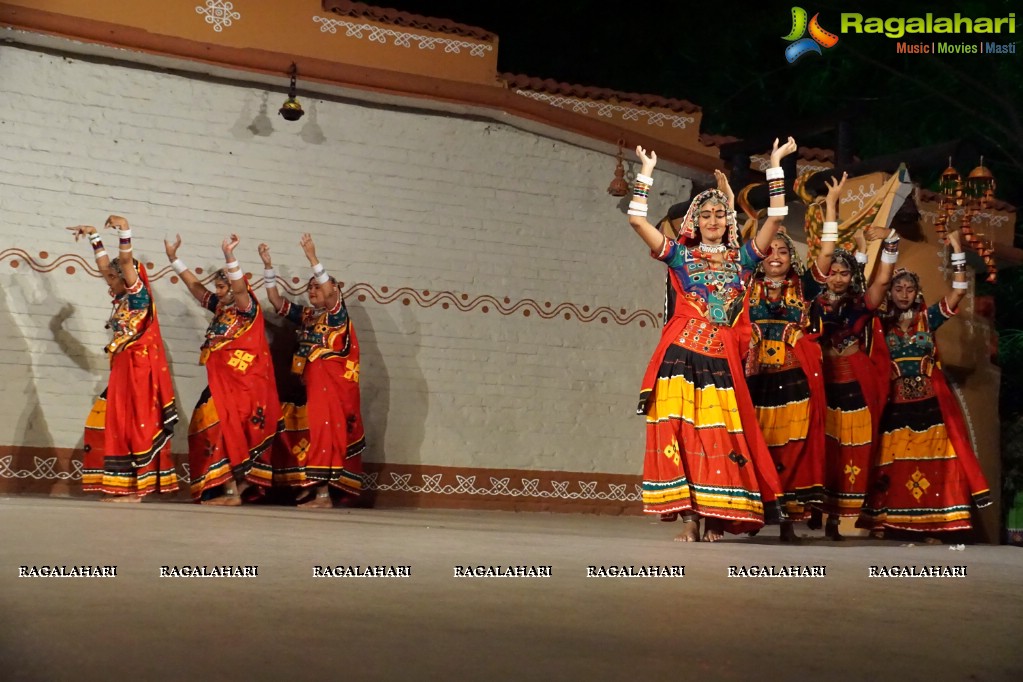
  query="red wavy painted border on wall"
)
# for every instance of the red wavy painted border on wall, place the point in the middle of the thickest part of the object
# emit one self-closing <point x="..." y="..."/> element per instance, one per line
<point x="363" y="291"/>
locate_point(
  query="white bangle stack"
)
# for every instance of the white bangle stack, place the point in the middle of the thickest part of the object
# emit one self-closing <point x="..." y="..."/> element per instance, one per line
<point x="178" y="265"/>
<point x="124" y="236"/>
<point x="830" y="232"/>
<point x="235" y="275"/>
<point x="956" y="284"/>
<point x="320" y="274"/>
<point x="777" y="211"/>
<point x="775" y="173"/>
<point x="638" y="208"/>
<point x="861" y="257"/>
<point x="645" y="179"/>
<point x="959" y="257"/>
<point x="270" y="278"/>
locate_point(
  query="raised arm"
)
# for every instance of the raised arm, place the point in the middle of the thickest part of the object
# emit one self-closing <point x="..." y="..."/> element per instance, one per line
<point x="959" y="282"/>
<point x="725" y="188"/>
<point x="195" y="287"/>
<point x="638" y="206"/>
<point x="883" y="272"/>
<point x="124" y="253"/>
<point x="776" y="189"/>
<point x="309" y="249"/>
<point x="235" y="276"/>
<point x="862" y="257"/>
<point x="270" y="278"/>
<point x="88" y="231"/>
<point x="829" y="237"/>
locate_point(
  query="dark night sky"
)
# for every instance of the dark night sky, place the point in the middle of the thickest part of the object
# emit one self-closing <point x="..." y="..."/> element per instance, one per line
<point x="728" y="57"/>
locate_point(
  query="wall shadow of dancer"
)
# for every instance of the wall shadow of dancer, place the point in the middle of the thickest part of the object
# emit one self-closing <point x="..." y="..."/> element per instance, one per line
<point x="397" y="363"/>
<point x="30" y="433"/>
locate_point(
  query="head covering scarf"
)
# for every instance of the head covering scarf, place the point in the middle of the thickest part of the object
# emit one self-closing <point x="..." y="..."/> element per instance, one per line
<point x="795" y="265"/>
<point x="888" y="310"/>
<point x="858" y="285"/>
<point x="689" y="231"/>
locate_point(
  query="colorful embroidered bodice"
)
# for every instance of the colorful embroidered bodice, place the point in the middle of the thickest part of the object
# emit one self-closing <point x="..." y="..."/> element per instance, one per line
<point x="714" y="289"/>
<point x="322" y="334"/>
<point x="129" y="316"/>
<point x="843" y="322"/>
<point x="912" y="350"/>
<point x="779" y="324"/>
<point x="228" y="321"/>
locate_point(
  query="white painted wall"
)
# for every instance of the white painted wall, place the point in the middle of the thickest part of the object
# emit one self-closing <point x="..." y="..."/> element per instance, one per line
<point x="394" y="198"/>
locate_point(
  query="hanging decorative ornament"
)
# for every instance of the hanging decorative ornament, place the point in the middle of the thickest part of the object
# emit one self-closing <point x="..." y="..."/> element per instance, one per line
<point x="948" y="184"/>
<point x="968" y="199"/>
<point x="619" y="187"/>
<point x="292" y="110"/>
<point x="981" y="185"/>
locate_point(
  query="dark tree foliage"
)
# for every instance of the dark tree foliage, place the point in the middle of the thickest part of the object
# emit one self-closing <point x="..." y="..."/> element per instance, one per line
<point x="728" y="58"/>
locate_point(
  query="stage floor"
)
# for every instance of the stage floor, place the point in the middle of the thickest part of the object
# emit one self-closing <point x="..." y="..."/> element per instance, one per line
<point x="286" y="624"/>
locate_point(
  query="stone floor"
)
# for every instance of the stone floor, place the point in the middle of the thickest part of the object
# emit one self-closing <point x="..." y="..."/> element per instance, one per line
<point x="285" y="624"/>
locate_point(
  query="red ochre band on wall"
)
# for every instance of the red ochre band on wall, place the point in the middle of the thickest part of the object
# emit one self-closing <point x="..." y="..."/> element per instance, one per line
<point x="58" y="472"/>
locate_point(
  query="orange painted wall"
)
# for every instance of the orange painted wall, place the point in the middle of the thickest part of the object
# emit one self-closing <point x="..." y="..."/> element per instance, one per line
<point x="287" y="26"/>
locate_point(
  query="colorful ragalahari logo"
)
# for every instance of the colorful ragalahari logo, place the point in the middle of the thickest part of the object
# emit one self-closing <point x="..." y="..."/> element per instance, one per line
<point x="802" y="46"/>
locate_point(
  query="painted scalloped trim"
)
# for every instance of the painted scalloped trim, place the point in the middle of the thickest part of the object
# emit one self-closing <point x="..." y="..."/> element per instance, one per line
<point x="383" y="295"/>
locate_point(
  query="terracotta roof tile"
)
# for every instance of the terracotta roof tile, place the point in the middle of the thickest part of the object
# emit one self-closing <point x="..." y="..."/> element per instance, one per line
<point x="387" y="15"/>
<point x="816" y="154"/>
<point x="711" y="140"/>
<point x="805" y="153"/>
<point x="519" y="81"/>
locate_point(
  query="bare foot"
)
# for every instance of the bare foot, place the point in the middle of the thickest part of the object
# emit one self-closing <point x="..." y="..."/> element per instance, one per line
<point x="788" y="533"/>
<point x="321" y="500"/>
<point x="931" y="540"/>
<point x="831" y="529"/>
<point x="121" y="499"/>
<point x="224" y="501"/>
<point x="690" y="531"/>
<point x="713" y="529"/>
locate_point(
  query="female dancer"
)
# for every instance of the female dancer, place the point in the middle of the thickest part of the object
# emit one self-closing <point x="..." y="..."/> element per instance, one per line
<point x="128" y="432"/>
<point x="927" y="473"/>
<point x="855" y="395"/>
<point x="783" y="368"/>
<point x="700" y="461"/>
<point x="239" y="413"/>
<point x="324" y="438"/>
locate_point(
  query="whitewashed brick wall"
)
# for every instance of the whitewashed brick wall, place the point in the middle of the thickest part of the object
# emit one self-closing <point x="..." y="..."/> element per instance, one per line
<point x="394" y="198"/>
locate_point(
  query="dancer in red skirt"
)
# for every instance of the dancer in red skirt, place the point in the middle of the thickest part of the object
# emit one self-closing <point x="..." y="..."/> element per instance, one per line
<point x="323" y="439"/>
<point x="128" y="432"/>
<point x="855" y="395"/>
<point x="705" y="456"/>
<point x="927" y="477"/>
<point x="783" y="367"/>
<point x="239" y="414"/>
